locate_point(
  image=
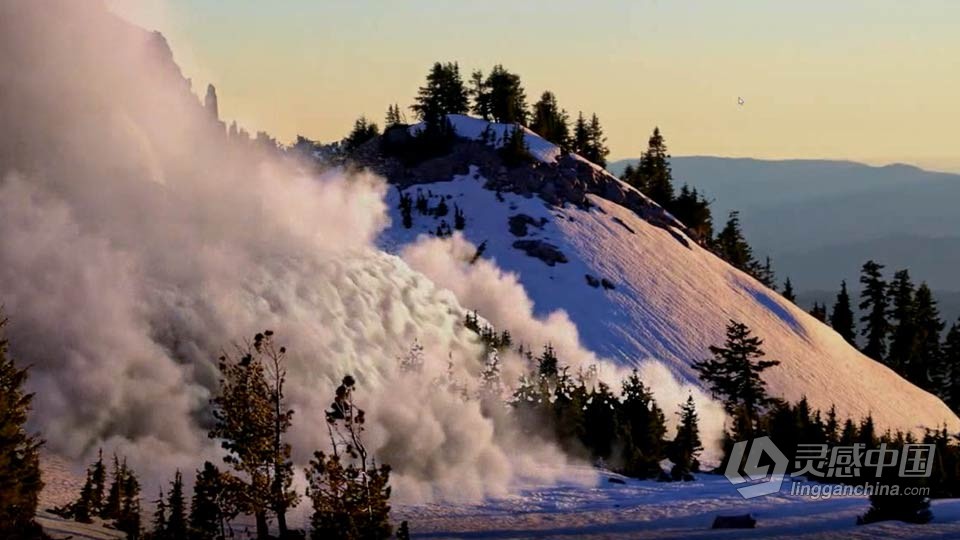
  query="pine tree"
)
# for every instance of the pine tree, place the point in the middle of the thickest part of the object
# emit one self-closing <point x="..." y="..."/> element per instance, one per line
<point x="207" y="514"/>
<point x="653" y="175"/>
<point x="842" y="319"/>
<point x="849" y="434"/>
<point x="406" y="210"/>
<point x="819" y="312"/>
<point x="459" y="220"/>
<point x="349" y="493"/>
<point x="832" y="427"/>
<point x="925" y="369"/>
<point x="159" y="518"/>
<point x="113" y="505"/>
<point x="20" y="481"/>
<point x="581" y="135"/>
<point x="550" y="121"/>
<point x="692" y="210"/>
<point x="128" y="519"/>
<point x="951" y="361"/>
<point x="867" y="434"/>
<point x="443" y="94"/>
<point x="423" y="205"/>
<point x="250" y="421"/>
<point x="600" y="422"/>
<point x="643" y="426"/>
<point x="734" y="372"/>
<point x="686" y="445"/>
<point x="442" y="209"/>
<point x="403" y="532"/>
<point x="394" y="116"/>
<point x="362" y="132"/>
<point x="91" y="500"/>
<point x="788" y="293"/>
<point x="98" y="479"/>
<point x="733" y="247"/>
<point x="177" y="508"/>
<point x="874" y="301"/>
<point x="480" y="94"/>
<point x="548" y="365"/>
<point x="506" y="98"/>
<point x="80" y="509"/>
<point x="563" y="401"/>
<point x="596" y="148"/>
<point x="903" y="322"/>
<point x="515" y="150"/>
<point x="765" y="274"/>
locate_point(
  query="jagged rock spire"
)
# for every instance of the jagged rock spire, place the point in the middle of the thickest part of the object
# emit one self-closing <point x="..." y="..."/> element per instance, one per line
<point x="210" y="102"/>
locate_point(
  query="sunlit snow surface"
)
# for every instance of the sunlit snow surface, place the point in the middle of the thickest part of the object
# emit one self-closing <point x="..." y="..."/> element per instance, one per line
<point x="671" y="301"/>
<point x="648" y="509"/>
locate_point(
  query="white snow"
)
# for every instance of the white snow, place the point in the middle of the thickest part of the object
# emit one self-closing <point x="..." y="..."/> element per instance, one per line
<point x="469" y="127"/>
<point x="648" y="509"/>
<point x="587" y="506"/>
<point x="671" y="302"/>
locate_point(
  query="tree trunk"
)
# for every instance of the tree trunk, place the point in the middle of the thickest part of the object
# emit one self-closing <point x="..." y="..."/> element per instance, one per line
<point x="282" y="522"/>
<point x="263" y="530"/>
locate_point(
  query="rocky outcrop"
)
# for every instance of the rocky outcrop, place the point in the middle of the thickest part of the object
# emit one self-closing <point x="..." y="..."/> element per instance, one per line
<point x="545" y="251"/>
<point x="567" y="181"/>
<point x="520" y="222"/>
<point x="210" y="102"/>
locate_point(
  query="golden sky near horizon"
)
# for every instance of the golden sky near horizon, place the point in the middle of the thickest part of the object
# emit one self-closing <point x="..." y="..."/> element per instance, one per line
<point x="875" y="81"/>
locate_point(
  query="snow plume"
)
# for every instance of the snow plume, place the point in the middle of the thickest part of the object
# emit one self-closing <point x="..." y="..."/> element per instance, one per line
<point x="138" y="241"/>
<point x="501" y="299"/>
<point x="670" y="393"/>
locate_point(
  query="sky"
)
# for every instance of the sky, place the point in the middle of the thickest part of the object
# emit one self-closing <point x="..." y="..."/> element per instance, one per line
<point x="876" y="81"/>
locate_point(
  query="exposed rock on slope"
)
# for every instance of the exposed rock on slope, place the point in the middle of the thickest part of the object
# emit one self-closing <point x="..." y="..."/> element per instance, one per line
<point x="557" y="178"/>
<point x="672" y="298"/>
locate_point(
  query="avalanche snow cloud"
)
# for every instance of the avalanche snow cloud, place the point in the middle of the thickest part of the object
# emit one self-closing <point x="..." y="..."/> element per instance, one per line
<point x="138" y="241"/>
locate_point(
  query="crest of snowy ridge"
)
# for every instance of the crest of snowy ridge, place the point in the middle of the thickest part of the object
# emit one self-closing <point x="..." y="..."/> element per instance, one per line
<point x="663" y="299"/>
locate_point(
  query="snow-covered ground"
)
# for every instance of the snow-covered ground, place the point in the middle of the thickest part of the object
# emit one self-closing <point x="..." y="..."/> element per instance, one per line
<point x="589" y="506"/>
<point x="672" y="300"/>
<point x="648" y="509"/>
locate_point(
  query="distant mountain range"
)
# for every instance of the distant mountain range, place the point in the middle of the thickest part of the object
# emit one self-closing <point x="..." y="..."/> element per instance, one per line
<point x="820" y="220"/>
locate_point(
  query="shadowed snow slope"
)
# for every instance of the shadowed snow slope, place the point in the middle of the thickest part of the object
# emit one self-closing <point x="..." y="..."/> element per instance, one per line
<point x="666" y="299"/>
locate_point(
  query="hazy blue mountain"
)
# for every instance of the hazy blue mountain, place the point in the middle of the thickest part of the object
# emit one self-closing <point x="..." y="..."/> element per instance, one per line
<point x="820" y="220"/>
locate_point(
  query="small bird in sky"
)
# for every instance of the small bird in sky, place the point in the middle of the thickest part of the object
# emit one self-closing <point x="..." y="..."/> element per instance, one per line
<point x="740" y="101"/>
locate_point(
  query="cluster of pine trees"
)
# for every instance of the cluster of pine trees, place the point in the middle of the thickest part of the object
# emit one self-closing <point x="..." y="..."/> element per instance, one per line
<point x="348" y="490"/>
<point x="497" y="96"/>
<point x="363" y="131"/>
<point x="625" y="430"/>
<point x="407" y="205"/>
<point x="119" y="504"/>
<point x="900" y="326"/>
<point x="734" y="374"/>
<point x="653" y="177"/>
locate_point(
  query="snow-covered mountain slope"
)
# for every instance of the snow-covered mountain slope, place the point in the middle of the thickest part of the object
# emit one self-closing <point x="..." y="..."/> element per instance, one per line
<point x="638" y="292"/>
